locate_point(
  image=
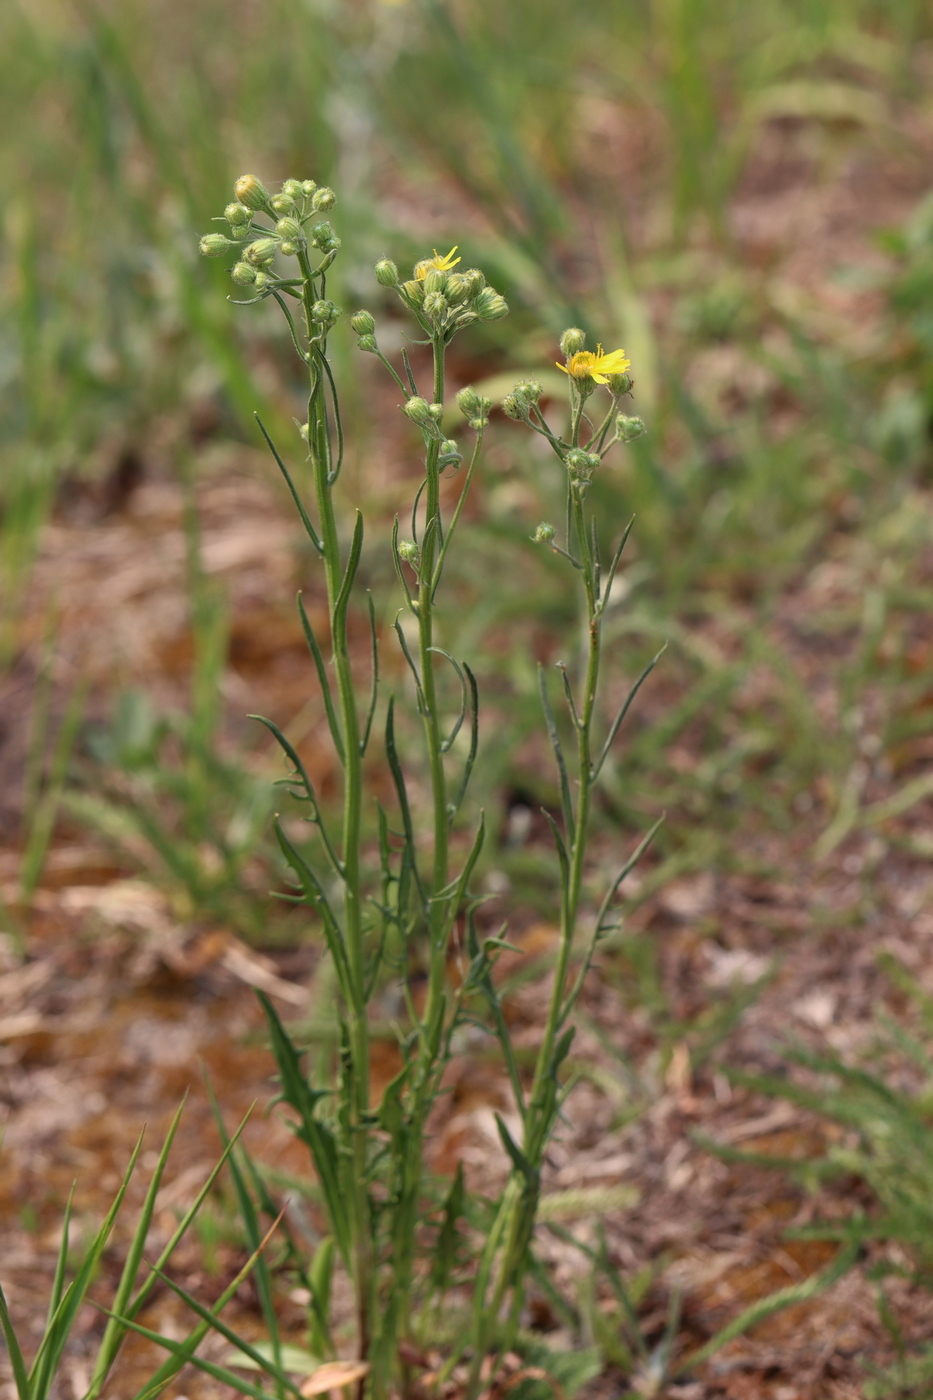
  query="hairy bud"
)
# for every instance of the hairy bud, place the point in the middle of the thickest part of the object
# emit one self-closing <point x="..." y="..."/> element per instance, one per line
<point x="362" y="322"/>
<point x="630" y="428"/>
<point x="386" y="273"/>
<point x="251" y="192"/>
<point x="419" y="411"/>
<point x="572" y="342"/>
<point x="214" y="245"/>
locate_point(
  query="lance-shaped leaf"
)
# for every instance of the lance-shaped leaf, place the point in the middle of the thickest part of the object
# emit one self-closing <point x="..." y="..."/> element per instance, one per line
<point x="614" y="727"/>
<point x="315" y="896"/>
<point x="299" y="503"/>
<point x="551" y="723"/>
<point x="333" y="723"/>
<point x="300" y="775"/>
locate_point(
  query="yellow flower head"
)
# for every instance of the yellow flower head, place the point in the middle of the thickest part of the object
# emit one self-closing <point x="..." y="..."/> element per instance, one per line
<point x="585" y="365"/>
<point x="441" y="264"/>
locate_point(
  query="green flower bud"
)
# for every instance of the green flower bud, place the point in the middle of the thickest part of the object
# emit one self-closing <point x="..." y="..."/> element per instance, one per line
<point x="325" y="312"/>
<point x="457" y="289"/>
<point x="468" y="401"/>
<point x="572" y="342"/>
<point x="362" y="322"/>
<point x="449" y="453"/>
<point x="322" y="200"/>
<point x="580" y="464"/>
<point x="436" y="411"/>
<point x="214" y="245"/>
<point x="544" y="533"/>
<point x="434" y="281"/>
<point x="237" y="214"/>
<point x="308" y="187"/>
<point x="288" y="247"/>
<point x="282" y="203"/>
<point x="304" y="432"/>
<point x="262" y="251"/>
<point x="529" y="390"/>
<point x="514" y="407"/>
<point x="630" y="428"/>
<point x="412" y="294"/>
<point x="386" y="273"/>
<point x="323" y="237"/>
<point x="435" y="306"/>
<point x="251" y="192"/>
<point x="490" y="306"/>
<point x="242" y="231"/>
<point x="409" y="551"/>
<point x="419" y="411"/>
<point x="262" y="281"/>
<point x="366" y="342"/>
<point x="475" y="280"/>
<point x="290" y="229"/>
<point x="620" y="384"/>
<point x="243" y="275"/>
<point x="292" y="189"/>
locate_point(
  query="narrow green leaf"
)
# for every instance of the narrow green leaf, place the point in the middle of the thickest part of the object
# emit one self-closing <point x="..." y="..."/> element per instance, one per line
<point x="299" y="503"/>
<point x="549" y="720"/>
<point x="17" y="1360"/>
<point x="323" y="680"/>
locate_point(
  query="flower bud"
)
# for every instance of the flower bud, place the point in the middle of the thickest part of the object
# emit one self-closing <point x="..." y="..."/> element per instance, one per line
<point x="468" y="401"/>
<point x="325" y="312"/>
<point x="251" y="192"/>
<point x="362" y="322"/>
<point x="572" y="342"/>
<point x="386" y="273"/>
<point x="412" y="294"/>
<point x="408" y="550"/>
<point x="290" y="229"/>
<point x="449" y="453"/>
<point x="237" y="214"/>
<point x="419" y="411"/>
<point x="288" y="247"/>
<point x="243" y="275"/>
<point x="620" y="384"/>
<point x="322" y="200"/>
<point x="529" y="391"/>
<point x="323" y="237"/>
<point x="514" y="407"/>
<point x="261" y="282"/>
<point x="580" y="464"/>
<point x="457" y="289"/>
<point x="475" y="280"/>
<point x="435" y="306"/>
<point x="490" y="306"/>
<point x="436" y="411"/>
<point x="214" y="245"/>
<point x="544" y="533"/>
<point x="292" y="189"/>
<point x="282" y="203"/>
<point x="242" y="231"/>
<point x="630" y="428"/>
<point x="262" y="251"/>
<point x="304" y="432"/>
<point x="435" y="281"/>
<point x="308" y="187"/>
<point x="366" y="342"/>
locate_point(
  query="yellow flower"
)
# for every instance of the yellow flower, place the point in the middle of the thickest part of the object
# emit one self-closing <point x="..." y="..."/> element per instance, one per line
<point x="585" y="365"/>
<point x="442" y="264"/>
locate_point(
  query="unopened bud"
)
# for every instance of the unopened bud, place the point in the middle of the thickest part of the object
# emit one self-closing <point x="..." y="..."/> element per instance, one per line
<point x="620" y="384"/>
<point x="544" y="533"/>
<point x="580" y="464"/>
<point x="408" y="550"/>
<point x="449" y="453"/>
<point x="529" y="390"/>
<point x="412" y="294"/>
<point x="261" y="282"/>
<point x="282" y="203"/>
<point x="214" y="245"/>
<point x="386" y="273"/>
<point x="436" y="411"/>
<point x="292" y="189"/>
<point x="262" y="251"/>
<point x="490" y="306"/>
<point x="322" y="200"/>
<point x="435" y="306"/>
<point x="237" y="214"/>
<point x="514" y="407"/>
<point x="362" y="322"/>
<point x="288" y="247"/>
<point x="630" y="428"/>
<point x="308" y="187"/>
<point x="475" y="280"/>
<point x="290" y="229"/>
<point x="572" y="342"/>
<point x="304" y="431"/>
<point x="418" y="410"/>
<point x="366" y="342"/>
<point x="251" y="192"/>
<point x="323" y="237"/>
<point x="325" y="311"/>
<point x="457" y="289"/>
<point x="242" y="231"/>
<point x="243" y="275"/>
<point x="434" y="281"/>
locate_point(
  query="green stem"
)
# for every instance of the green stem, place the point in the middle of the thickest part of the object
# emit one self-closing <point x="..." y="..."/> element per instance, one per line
<point x="355" y="994"/>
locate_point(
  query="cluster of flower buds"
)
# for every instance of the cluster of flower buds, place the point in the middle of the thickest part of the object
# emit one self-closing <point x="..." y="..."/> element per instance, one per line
<point x="428" y="417"/>
<point x="523" y="398"/>
<point x="294" y="214"/>
<point x="443" y="300"/>
<point x="474" y="407"/>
